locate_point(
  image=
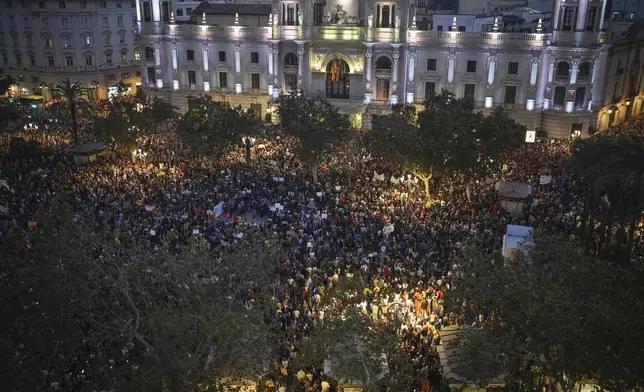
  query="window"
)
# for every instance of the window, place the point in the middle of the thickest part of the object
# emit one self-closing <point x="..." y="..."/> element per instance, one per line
<point x="188" y="11"/>
<point x="256" y="109"/>
<point x="560" y="96"/>
<point x="84" y="22"/>
<point x="89" y="59"/>
<point x="383" y="63"/>
<point x="567" y="19"/>
<point x="64" y="23"/>
<point x="121" y="39"/>
<point x="123" y="57"/>
<point x="290" y="59"/>
<point x="580" y="94"/>
<point x="105" y="21"/>
<point x="87" y="40"/>
<point x="26" y="21"/>
<point x="563" y="69"/>
<point x="149" y="53"/>
<point x="461" y="28"/>
<point x="192" y="78"/>
<point x="147" y="11"/>
<point x="30" y="40"/>
<point x="61" y="4"/>
<point x="103" y="4"/>
<point x="44" y="22"/>
<point x="119" y="20"/>
<point x="83" y="4"/>
<point x="69" y="60"/>
<point x="5" y="59"/>
<point x="222" y="56"/>
<point x="431" y="64"/>
<point x="12" y="20"/>
<point x="108" y="58"/>
<point x="337" y="79"/>
<point x="137" y="55"/>
<point x="134" y="20"/>
<point x="430" y="89"/>
<point x="470" y="89"/>
<point x="67" y="42"/>
<point x="439" y="28"/>
<point x="118" y="4"/>
<point x="291" y="81"/>
<point x="584" y="70"/>
<point x="590" y="18"/>
<point x="125" y="75"/>
<point x="49" y="43"/>
<point x="190" y="55"/>
<point x="179" y="11"/>
<point x="106" y="39"/>
<point x="223" y="79"/>
<point x="620" y="70"/>
<point x="111" y="77"/>
<point x="133" y="3"/>
<point x="513" y="68"/>
<point x="138" y="74"/>
<point x="254" y="81"/>
<point x="41" y="4"/>
<point x="18" y="59"/>
<point x="510" y="94"/>
<point x="318" y="13"/>
<point x="14" y="38"/>
<point x="35" y="79"/>
<point x="32" y="59"/>
<point x="254" y="57"/>
<point x="50" y="61"/>
<point x="471" y="65"/>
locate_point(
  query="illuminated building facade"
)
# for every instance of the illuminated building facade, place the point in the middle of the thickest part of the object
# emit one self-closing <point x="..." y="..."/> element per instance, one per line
<point x="366" y="55"/>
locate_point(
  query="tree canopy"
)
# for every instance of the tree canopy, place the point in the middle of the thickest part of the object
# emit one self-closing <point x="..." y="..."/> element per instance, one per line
<point x="316" y="124"/>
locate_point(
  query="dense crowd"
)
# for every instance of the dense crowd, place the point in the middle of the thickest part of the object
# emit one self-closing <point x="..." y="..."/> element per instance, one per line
<point x="366" y="221"/>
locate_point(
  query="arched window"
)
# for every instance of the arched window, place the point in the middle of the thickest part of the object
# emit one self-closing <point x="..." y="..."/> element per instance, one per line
<point x="337" y="79"/>
<point x="560" y="96"/>
<point x="580" y="94"/>
<point x="290" y="59"/>
<point x="563" y="69"/>
<point x="383" y="63"/>
<point x="584" y="70"/>
<point x="149" y="53"/>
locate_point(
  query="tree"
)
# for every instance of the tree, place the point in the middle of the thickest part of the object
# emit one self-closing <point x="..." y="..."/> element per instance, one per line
<point x="73" y="92"/>
<point x="83" y="312"/>
<point x="159" y="111"/>
<point x="316" y="124"/>
<point x="5" y="82"/>
<point x="212" y="128"/>
<point x="553" y="316"/>
<point x="611" y="167"/>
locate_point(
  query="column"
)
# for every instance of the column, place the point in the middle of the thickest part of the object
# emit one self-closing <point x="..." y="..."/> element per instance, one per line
<point x="138" y="10"/>
<point x="238" y="78"/>
<point x="582" y="7"/>
<point x="542" y="78"/>
<point x="157" y="65"/>
<point x="551" y="71"/>
<point x="603" y="12"/>
<point x="549" y="89"/>
<point x="269" y="52"/>
<point x="175" y="76"/>
<point x="534" y="70"/>
<point x="532" y="90"/>
<point x="411" y="68"/>
<point x="206" y="66"/>
<point x="394" y="75"/>
<point x="573" y="71"/>
<point x="156" y="12"/>
<point x="451" y="60"/>
<point x="300" y="62"/>
<point x="276" y="70"/>
<point x="489" y="98"/>
<point x="599" y="71"/>
<point x="368" y="56"/>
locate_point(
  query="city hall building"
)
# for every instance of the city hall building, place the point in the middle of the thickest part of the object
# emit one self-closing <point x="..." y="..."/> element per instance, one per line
<point x="559" y="71"/>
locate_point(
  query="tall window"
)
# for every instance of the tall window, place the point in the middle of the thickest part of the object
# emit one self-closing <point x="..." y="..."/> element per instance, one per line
<point x="580" y="94"/>
<point x="563" y="69"/>
<point x="149" y="53"/>
<point x="385" y="16"/>
<point x="192" y="79"/>
<point x="190" y="55"/>
<point x="256" y="109"/>
<point x="318" y="13"/>
<point x="510" y="95"/>
<point x="89" y="59"/>
<point x="105" y="21"/>
<point x="471" y="66"/>
<point x="254" y="57"/>
<point x="254" y="81"/>
<point x="151" y="75"/>
<point x="165" y="11"/>
<point x="147" y="11"/>
<point x="123" y="57"/>
<point x="290" y="79"/>
<point x="430" y="89"/>
<point x="50" y="61"/>
<point x="223" y="79"/>
<point x="560" y="96"/>
<point x="431" y="64"/>
<point x="67" y="42"/>
<point x="566" y="23"/>
<point x="337" y="79"/>
<point x="470" y="90"/>
<point x="513" y="68"/>
<point x="590" y="18"/>
<point x="108" y="58"/>
<point x="222" y="56"/>
<point x="119" y="20"/>
<point x="584" y="70"/>
<point x="64" y="23"/>
<point x="106" y="39"/>
<point x="290" y="59"/>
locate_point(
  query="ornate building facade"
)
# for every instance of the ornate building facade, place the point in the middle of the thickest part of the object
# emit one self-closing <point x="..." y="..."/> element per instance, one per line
<point x="366" y="55"/>
<point x="95" y="42"/>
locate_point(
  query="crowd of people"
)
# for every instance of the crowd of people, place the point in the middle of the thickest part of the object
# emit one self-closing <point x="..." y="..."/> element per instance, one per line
<point x="365" y="222"/>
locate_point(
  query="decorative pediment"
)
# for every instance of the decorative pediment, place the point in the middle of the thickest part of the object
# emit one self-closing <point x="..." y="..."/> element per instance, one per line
<point x="122" y="31"/>
<point x="109" y="51"/>
<point x="106" y="32"/>
<point x="470" y="78"/>
<point x="222" y="68"/>
<point x="190" y="66"/>
<point x="431" y="77"/>
<point x="511" y="80"/>
<point x="88" y="52"/>
<point x="123" y="50"/>
<point x="254" y="68"/>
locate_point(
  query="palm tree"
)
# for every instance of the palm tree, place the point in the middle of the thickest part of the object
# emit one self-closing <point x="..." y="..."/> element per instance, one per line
<point x="73" y="92"/>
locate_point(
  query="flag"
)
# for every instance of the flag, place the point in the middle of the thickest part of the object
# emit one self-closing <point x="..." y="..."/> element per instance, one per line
<point x="219" y="209"/>
<point x="149" y="208"/>
<point x="379" y="177"/>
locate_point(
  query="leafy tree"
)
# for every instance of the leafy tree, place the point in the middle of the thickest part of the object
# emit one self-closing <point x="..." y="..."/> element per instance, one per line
<point x="212" y="128"/>
<point x="611" y="167"/>
<point x="554" y="316"/>
<point x="83" y="312"/>
<point x="73" y="93"/>
<point x="8" y="112"/>
<point x="5" y="82"/>
<point x="159" y="111"/>
<point x="317" y="125"/>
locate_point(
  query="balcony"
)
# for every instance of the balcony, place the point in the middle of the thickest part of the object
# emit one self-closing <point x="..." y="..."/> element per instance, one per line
<point x="192" y="31"/>
<point x="338" y="32"/>
<point x="476" y="39"/>
<point x="562" y="78"/>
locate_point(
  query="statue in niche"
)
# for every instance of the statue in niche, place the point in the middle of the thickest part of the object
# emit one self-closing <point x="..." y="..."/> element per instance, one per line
<point x="300" y="17"/>
<point x="370" y="19"/>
